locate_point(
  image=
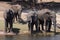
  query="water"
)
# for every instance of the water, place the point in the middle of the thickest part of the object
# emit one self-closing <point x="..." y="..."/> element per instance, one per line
<point x="30" y="37"/>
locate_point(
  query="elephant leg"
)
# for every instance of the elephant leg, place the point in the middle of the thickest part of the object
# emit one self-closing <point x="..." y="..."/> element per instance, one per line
<point x="39" y="26"/>
<point x="29" y="26"/>
<point x="11" y="26"/>
<point x="32" y="24"/>
<point x="49" y="26"/>
<point x="42" y="25"/>
<point x="16" y="17"/>
<point x="36" y="26"/>
<point x="6" y="26"/>
<point x="46" y="26"/>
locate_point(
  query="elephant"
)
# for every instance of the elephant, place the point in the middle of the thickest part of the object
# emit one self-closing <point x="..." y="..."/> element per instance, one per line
<point x="17" y="12"/>
<point x="32" y="20"/>
<point x="45" y="19"/>
<point x="42" y="18"/>
<point x="8" y="16"/>
<point x="48" y="22"/>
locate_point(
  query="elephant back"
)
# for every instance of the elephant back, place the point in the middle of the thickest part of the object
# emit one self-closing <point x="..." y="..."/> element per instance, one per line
<point x="32" y="16"/>
<point x="16" y="8"/>
<point x="43" y="14"/>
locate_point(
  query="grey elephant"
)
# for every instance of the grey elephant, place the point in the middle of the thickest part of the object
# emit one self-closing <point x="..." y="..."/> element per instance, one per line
<point x="45" y="18"/>
<point x="32" y="20"/>
<point x="8" y="16"/>
<point x="17" y="12"/>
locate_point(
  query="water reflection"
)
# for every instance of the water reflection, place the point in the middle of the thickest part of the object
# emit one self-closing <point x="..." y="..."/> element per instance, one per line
<point x="30" y="37"/>
<point x="9" y="37"/>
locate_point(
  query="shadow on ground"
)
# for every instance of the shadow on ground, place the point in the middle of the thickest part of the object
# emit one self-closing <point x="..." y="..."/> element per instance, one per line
<point x="16" y="30"/>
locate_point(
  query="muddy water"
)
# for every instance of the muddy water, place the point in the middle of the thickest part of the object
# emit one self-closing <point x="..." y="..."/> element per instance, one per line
<point x="30" y="37"/>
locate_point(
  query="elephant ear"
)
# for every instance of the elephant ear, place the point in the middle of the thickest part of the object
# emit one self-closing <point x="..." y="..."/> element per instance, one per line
<point x="45" y="16"/>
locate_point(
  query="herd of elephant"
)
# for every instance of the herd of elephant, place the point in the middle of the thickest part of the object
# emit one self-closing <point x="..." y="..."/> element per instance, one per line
<point x="33" y="18"/>
<point x="39" y="19"/>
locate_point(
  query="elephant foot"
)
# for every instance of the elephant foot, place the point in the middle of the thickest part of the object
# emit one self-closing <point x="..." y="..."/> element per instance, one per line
<point x="48" y="31"/>
<point x="31" y="32"/>
<point x="39" y="31"/>
<point x="42" y="29"/>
